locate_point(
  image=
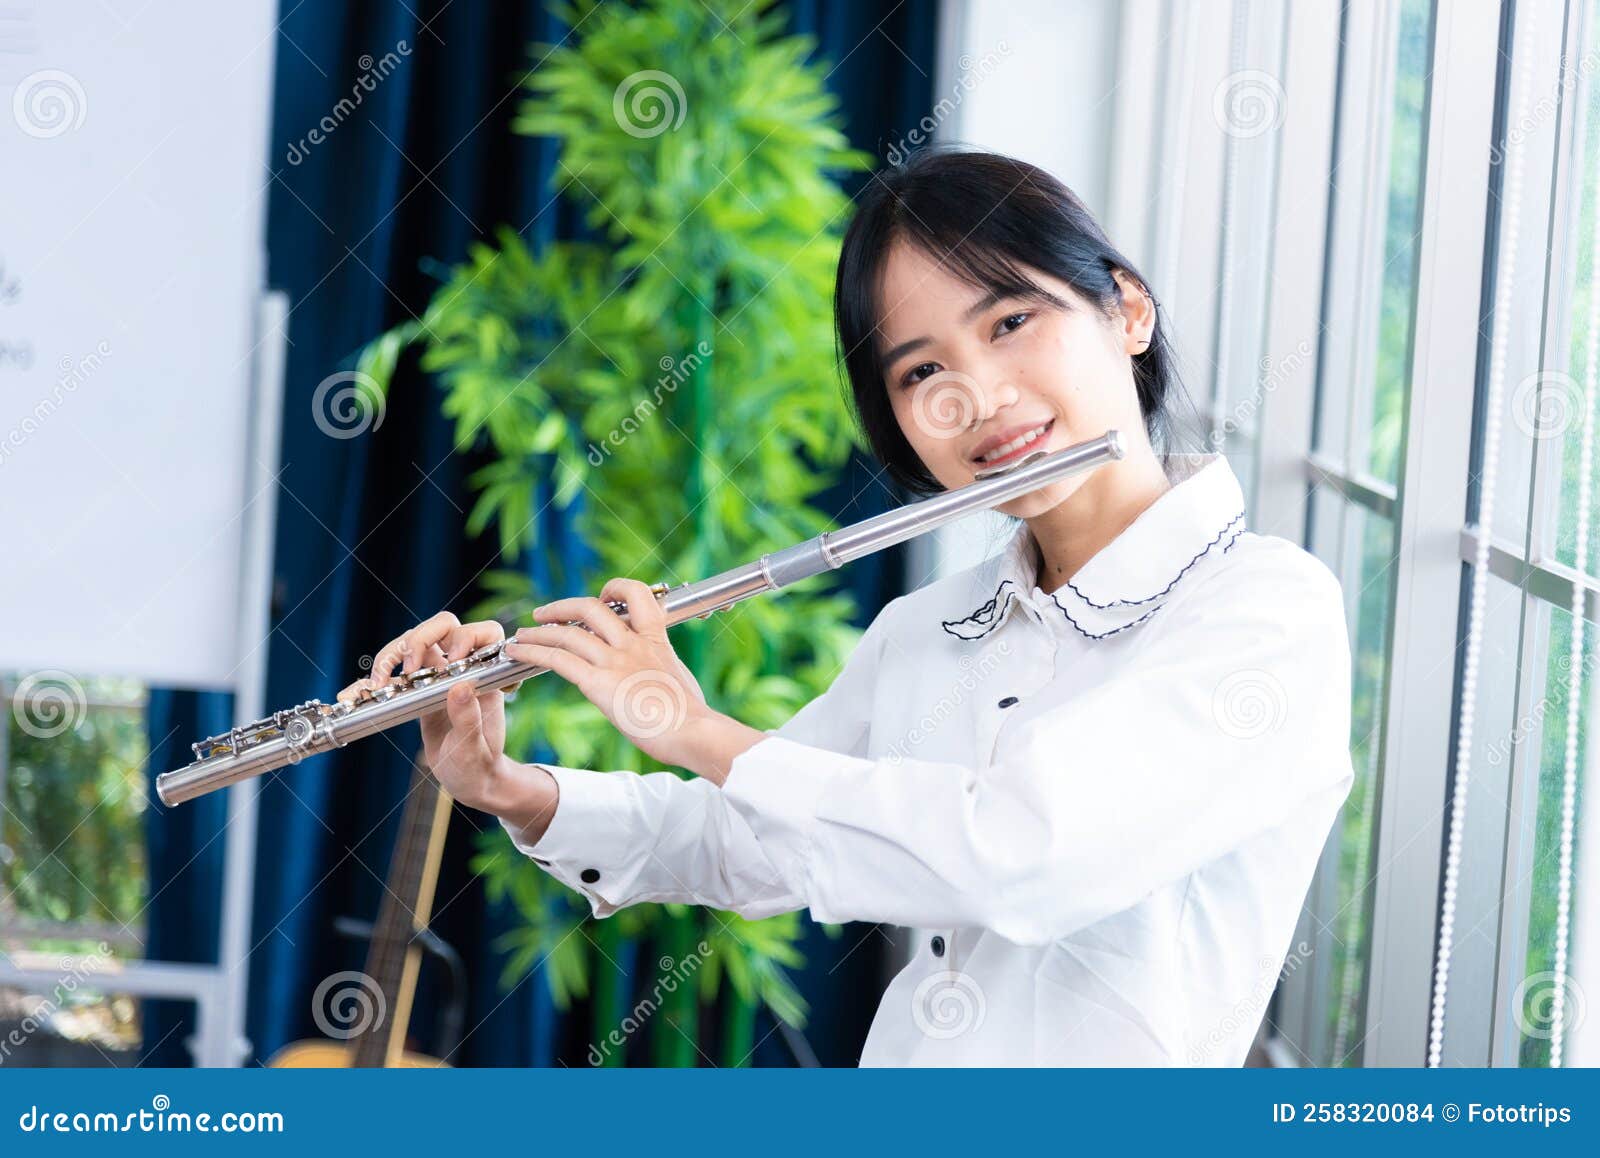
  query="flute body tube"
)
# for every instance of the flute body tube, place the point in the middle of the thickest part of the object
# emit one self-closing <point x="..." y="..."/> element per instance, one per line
<point x="289" y="736"/>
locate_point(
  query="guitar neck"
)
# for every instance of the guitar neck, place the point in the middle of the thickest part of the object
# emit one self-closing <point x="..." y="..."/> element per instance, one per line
<point x="393" y="959"/>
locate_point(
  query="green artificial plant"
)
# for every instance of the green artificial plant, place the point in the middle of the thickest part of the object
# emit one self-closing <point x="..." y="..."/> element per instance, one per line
<point x="676" y="385"/>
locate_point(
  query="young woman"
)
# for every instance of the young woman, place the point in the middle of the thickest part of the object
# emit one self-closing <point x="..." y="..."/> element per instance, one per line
<point x="1097" y="770"/>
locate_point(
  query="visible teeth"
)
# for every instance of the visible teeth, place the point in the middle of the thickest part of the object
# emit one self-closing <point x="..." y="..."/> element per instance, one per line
<point x="1014" y="444"/>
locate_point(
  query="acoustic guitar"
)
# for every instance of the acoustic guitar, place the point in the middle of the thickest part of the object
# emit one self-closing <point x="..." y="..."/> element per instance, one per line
<point x="393" y="957"/>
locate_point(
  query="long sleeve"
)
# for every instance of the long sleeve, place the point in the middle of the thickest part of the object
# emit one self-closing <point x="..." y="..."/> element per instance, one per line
<point x="622" y="838"/>
<point x="1226" y="723"/>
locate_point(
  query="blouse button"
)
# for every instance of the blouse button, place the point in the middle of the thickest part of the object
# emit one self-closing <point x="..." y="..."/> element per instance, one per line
<point x="1007" y="702"/>
<point x="589" y="876"/>
<point x="937" y="945"/>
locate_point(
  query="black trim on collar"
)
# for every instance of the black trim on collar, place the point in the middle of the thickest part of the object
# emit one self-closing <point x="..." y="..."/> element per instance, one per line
<point x="993" y="612"/>
<point x="1147" y="614"/>
<point x="989" y="617"/>
<point x="1091" y="635"/>
<point x="1164" y="590"/>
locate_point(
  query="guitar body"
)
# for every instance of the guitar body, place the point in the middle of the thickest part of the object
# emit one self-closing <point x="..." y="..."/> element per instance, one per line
<point x="338" y="1055"/>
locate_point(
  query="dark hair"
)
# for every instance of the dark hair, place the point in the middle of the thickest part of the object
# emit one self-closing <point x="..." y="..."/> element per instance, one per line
<point x="983" y="215"/>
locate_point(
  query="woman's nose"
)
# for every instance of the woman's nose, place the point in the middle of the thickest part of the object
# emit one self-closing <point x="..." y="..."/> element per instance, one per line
<point x="993" y="397"/>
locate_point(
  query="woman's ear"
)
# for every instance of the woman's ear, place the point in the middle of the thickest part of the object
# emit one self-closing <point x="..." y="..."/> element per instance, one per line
<point x="1138" y="313"/>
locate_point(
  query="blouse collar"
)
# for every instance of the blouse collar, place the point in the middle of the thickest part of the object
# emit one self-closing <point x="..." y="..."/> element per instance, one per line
<point x="1129" y="579"/>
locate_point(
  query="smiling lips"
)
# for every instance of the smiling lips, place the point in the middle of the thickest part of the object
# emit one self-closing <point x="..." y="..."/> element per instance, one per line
<point x="1009" y="444"/>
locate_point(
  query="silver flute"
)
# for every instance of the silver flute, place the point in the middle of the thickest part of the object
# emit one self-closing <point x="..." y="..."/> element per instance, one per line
<point x="289" y="736"/>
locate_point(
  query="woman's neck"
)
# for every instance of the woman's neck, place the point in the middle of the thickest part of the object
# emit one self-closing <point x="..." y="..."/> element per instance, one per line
<point x="1068" y="535"/>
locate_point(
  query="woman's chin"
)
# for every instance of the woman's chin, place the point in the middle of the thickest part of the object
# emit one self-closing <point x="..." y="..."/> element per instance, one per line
<point x="1036" y="503"/>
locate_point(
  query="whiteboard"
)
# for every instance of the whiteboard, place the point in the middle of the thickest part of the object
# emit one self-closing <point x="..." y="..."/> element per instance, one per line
<point x="133" y="185"/>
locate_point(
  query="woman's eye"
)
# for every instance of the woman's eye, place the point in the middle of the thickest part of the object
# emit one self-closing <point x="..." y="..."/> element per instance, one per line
<point x="915" y="375"/>
<point x="1006" y="327"/>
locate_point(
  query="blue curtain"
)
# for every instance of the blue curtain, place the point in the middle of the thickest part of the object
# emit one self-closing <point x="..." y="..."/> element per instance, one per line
<point x="370" y="529"/>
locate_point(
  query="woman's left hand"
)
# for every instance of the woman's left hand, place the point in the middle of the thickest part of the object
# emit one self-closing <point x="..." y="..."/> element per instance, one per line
<point x="625" y="667"/>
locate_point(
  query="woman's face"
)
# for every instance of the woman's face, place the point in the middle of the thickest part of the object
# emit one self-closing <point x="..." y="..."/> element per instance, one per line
<point x="968" y="376"/>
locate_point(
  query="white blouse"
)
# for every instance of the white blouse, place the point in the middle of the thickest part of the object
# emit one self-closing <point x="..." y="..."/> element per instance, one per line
<point x="1103" y="805"/>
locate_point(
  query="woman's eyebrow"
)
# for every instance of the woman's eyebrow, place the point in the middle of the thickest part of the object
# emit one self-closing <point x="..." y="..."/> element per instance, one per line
<point x="976" y="308"/>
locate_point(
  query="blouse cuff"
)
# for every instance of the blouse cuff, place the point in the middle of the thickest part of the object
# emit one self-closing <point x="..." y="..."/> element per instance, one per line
<point x="594" y="840"/>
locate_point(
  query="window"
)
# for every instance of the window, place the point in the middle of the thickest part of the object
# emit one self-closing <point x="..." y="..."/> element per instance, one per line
<point x="73" y="878"/>
<point x="1357" y="436"/>
<point x="1423" y="208"/>
<point x="1553" y="743"/>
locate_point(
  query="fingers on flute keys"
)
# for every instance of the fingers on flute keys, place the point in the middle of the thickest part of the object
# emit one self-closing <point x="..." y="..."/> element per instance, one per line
<point x="556" y="619"/>
<point x="645" y="614"/>
<point x="433" y="642"/>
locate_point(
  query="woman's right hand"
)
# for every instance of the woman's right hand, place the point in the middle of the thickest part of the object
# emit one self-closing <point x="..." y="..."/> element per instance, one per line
<point x="464" y="742"/>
